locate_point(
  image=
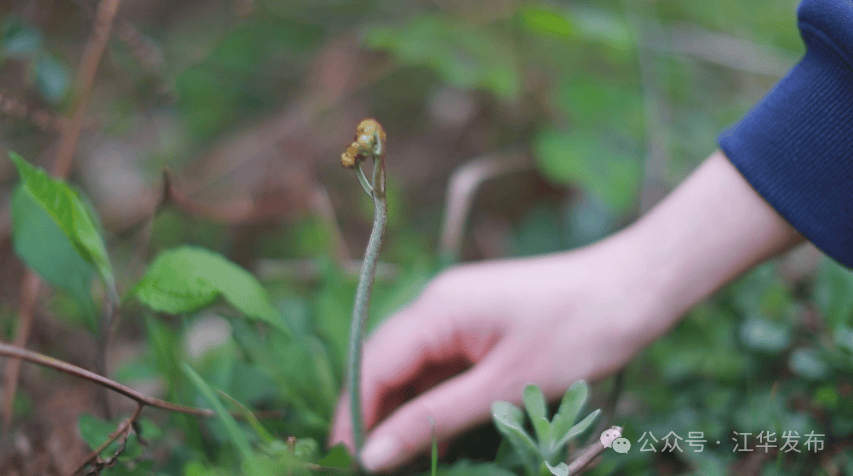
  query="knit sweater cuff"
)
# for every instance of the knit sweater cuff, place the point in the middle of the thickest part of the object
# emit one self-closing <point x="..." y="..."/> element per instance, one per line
<point x="796" y="146"/>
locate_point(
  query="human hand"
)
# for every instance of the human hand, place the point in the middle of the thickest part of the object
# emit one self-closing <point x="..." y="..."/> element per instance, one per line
<point x="555" y="319"/>
<point x="550" y="321"/>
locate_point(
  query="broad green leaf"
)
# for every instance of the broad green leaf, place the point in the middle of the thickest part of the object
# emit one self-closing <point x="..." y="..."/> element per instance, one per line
<point x="66" y="210"/>
<point x="576" y="430"/>
<point x="186" y="279"/>
<point x="571" y="404"/>
<point x="509" y="420"/>
<point x="42" y="245"/>
<point x="534" y="401"/>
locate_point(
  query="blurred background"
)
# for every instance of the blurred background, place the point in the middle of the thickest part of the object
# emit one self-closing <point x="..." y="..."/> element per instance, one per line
<point x="514" y="128"/>
<point x="249" y="103"/>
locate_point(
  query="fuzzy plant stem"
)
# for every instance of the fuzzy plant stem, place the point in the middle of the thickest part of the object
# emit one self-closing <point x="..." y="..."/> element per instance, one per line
<point x="362" y="299"/>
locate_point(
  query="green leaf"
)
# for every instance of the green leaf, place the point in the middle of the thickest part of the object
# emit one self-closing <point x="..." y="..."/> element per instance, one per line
<point x="571" y="404"/>
<point x="542" y="427"/>
<point x="52" y="78"/>
<point x="509" y="420"/>
<point x="576" y="430"/>
<point x="534" y="401"/>
<point x="67" y="212"/>
<point x="186" y="279"/>
<point x="508" y="414"/>
<point x="42" y="245"/>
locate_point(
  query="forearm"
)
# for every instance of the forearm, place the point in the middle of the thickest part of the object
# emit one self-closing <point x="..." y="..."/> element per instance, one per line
<point x="706" y="233"/>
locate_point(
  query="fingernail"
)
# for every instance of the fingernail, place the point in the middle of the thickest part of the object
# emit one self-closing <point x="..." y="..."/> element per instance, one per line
<point x="378" y="452"/>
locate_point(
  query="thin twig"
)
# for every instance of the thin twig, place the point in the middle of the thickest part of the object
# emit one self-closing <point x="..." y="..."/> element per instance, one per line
<point x="590" y="452"/>
<point x="17" y="353"/>
<point x="123" y="430"/>
<point x="92" y="53"/>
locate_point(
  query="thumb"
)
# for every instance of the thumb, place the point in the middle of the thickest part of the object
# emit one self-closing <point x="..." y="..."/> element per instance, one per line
<point x="453" y="407"/>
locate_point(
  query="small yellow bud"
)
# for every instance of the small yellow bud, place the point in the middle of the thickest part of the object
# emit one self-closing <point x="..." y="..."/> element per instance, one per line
<point x="369" y="141"/>
<point x="352" y="156"/>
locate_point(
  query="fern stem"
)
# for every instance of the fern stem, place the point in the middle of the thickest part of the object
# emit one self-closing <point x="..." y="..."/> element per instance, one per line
<point x="362" y="300"/>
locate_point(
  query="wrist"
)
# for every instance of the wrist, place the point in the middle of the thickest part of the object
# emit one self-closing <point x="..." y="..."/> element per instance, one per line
<point x="705" y="234"/>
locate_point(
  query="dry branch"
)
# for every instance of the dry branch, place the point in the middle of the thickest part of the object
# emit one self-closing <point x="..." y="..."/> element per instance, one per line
<point x="589" y="453"/>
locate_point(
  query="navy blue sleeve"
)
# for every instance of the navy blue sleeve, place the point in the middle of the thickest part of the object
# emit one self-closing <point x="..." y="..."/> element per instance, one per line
<point x="796" y="146"/>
